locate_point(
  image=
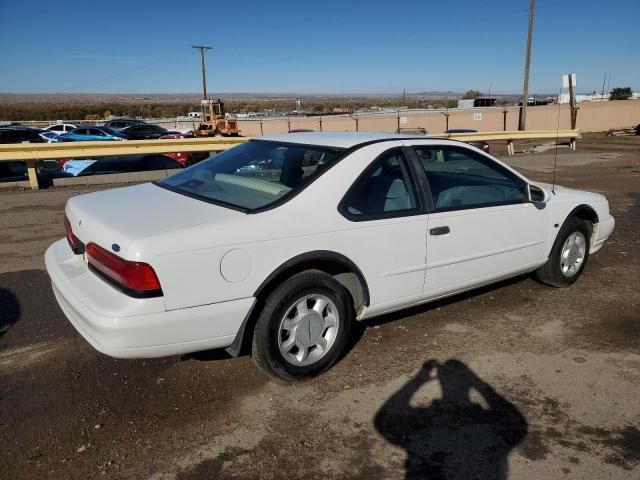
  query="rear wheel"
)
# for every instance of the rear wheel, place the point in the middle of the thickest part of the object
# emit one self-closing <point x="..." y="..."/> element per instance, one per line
<point x="303" y="327"/>
<point x="569" y="254"/>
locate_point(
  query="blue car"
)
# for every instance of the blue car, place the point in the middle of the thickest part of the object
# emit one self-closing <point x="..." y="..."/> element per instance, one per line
<point x="91" y="134"/>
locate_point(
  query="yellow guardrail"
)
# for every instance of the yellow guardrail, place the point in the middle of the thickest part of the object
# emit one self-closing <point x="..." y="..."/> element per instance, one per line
<point x="32" y="152"/>
<point x="510" y="136"/>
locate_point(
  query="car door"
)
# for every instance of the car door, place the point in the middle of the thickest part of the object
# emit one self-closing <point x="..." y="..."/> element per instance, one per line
<point x="78" y="134"/>
<point x="96" y="133"/>
<point x="148" y="133"/>
<point x="387" y="238"/>
<point x="482" y="226"/>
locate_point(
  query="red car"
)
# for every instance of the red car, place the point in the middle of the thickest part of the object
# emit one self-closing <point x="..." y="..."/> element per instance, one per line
<point x="185" y="158"/>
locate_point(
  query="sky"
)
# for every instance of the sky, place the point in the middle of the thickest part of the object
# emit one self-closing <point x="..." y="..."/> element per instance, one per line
<point x="327" y="46"/>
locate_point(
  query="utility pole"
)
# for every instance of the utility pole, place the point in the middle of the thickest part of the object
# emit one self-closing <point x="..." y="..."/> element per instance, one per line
<point x="525" y="90"/>
<point x="202" y="49"/>
<point x="572" y="103"/>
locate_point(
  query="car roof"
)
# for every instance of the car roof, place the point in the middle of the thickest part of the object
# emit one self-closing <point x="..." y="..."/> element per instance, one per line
<point x="20" y="128"/>
<point x="334" y="139"/>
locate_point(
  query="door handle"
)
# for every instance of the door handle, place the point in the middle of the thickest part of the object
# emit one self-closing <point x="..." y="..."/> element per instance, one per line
<point x="439" y="231"/>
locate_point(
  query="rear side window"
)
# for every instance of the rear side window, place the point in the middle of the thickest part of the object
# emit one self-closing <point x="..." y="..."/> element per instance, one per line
<point x="253" y="175"/>
<point x="384" y="190"/>
<point x="460" y="178"/>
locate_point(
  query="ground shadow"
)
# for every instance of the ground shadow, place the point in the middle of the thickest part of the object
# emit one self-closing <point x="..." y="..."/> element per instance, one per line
<point x="454" y="437"/>
<point x="207" y="355"/>
<point x="9" y="310"/>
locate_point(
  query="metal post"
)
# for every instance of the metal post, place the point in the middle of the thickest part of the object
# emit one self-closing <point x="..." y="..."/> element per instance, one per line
<point x="446" y="116"/>
<point x="320" y="120"/>
<point x="504" y="120"/>
<point x="525" y="90"/>
<point x="261" y="131"/>
<point x="202" y="48"/>
<point x="33" y="176"/>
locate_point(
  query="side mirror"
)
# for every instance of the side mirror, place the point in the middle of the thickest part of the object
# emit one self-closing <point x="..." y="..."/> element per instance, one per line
<point x="538" y="194"/>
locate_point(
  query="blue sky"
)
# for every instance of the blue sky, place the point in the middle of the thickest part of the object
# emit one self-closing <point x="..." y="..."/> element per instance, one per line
<point x="347" y="46"/>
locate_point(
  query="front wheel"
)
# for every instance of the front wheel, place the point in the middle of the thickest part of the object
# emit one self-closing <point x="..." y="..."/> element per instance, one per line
<point x="303" y="327"/>
<point x="569" y="254"/>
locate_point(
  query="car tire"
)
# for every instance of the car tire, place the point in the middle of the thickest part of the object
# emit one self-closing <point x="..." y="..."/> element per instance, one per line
<point x="303" y="327"/>
<point x="569" y="254"/>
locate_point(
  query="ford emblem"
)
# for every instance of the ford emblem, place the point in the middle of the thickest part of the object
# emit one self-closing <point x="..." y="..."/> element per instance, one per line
<point x="115" y="247"/>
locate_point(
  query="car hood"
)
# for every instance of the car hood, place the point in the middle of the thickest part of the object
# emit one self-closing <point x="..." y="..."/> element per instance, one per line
<point x="124" y="215"/>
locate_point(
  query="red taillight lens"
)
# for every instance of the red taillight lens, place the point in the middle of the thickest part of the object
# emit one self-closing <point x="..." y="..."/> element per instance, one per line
<point x="134" y="278"/>
<point x="74" y="243"/>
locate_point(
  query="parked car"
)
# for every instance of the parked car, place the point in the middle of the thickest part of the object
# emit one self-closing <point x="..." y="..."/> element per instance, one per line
<point x="82" y="134"/>
<point x="185" y="158"/>
<point x="346" y="226"/>
<point x="19" y="134"/>
<point x="75" y="167"/>
<point x="482" y="145"/>
<point x="121" y="164"/>
<point x="61" y="128"/>
<point x="144" y="132"/>
<point x="122" y="123"/>
<point x="46" y="171"/>
<point x="50" y="137"/>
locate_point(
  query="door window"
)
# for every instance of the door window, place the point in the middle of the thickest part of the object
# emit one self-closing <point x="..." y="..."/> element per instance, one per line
<point x="385" y="190"/>
<point x="460" y="178"/>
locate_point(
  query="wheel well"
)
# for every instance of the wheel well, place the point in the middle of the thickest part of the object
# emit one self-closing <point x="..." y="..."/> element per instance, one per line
<point x="335" y="264"/>
<point x="584" y="212"/>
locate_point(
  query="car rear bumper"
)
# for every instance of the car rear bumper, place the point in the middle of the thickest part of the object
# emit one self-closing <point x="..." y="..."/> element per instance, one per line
<point x="125" y="327"/>
<point x="601" y="233"/>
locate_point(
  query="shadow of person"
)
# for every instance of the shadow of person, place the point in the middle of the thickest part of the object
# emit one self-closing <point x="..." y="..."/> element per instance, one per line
<point x="9" y="310"/>
<point x="455" y="437"/>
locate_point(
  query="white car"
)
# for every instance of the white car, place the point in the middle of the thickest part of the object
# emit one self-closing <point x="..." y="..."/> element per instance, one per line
<point x="279" y="244"/>
<point x="61" y="128"/>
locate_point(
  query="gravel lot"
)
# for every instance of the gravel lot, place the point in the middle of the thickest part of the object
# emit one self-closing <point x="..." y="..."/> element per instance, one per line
<point x="553" y="375"/>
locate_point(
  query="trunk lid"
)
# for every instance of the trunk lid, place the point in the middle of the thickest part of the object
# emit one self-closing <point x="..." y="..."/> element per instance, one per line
<point x="123" y="215"/>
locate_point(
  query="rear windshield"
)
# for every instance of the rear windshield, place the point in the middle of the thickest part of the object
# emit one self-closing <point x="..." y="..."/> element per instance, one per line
<point x="254" y="174"/>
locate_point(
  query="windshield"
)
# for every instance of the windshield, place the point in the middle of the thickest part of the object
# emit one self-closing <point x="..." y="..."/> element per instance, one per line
<point x="253" y="174"/>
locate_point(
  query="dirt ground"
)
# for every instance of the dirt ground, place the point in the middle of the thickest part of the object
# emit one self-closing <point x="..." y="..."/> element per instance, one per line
<point x="553" y="374"/>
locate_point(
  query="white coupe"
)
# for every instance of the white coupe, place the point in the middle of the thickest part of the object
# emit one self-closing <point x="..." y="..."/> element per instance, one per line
<point x="278" y="245"/>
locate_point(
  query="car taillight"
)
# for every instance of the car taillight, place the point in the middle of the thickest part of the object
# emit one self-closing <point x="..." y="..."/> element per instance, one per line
<point x="485" y="148"/>
<point x="74" y="243"/>
<point x="136" y="279"/>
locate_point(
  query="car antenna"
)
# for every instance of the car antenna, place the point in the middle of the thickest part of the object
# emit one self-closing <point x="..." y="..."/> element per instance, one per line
<point x="555" y="157"/>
